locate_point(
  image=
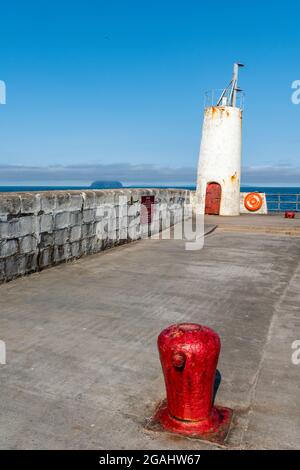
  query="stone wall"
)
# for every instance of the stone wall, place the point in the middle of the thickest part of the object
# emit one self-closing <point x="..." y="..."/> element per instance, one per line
<point x="39" y="230"/>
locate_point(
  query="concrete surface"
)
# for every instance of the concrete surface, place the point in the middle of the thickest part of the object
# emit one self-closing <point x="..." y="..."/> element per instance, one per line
<point x="255" y="223"/>
<point x="82" y="365"/>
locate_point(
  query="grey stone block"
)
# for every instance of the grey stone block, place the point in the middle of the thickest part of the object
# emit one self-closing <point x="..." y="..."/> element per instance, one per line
<point x="76" y="249"/>
<point x="45" y="257"/>
<point x="2" y="270"/>
<point x="97" y="245"/>
<point x="31" y="262"/>
<point x="76" y="202"/>
<point x="46" y="223"/>
<point x="134" y="232"/>
<point x="75" y="233"/>
<point x="101" y="230"/>
<point x="87" y="230"/>
<point x="4" y="230"/>
<point x="83" y="246"/>
<point x="107" y="243"/>
<point x="110" y="197"/>
<point x="48" y="202"/>
<point x="76" y="218"/>
<point x="30" y="203"/>
<point x="22" y="226"/>
<point x="100" y="197"/>
<point x="27" y="225"/>
<point x="10" y="204"/>
<point x="13" y="229"/>
<point x="8" y="248"/>
<point x="63" y="201"/>
<point x="88" y="215"/>
<point x="62" y="253"/>
<point x="135" y="197"/>
<point x="21" y="264"/>
<point x="46" y="239"/>
<point x="27" y="244"/>
<point x="89" y="200"/>
<point x="62" y="220"/>
<point x="11" y="267"/>
<point x="61" y="236"/>
<point x="87" y="245"/>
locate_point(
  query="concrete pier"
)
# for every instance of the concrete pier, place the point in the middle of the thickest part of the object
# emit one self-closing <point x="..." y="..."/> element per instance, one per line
<point x="82" y="366"/>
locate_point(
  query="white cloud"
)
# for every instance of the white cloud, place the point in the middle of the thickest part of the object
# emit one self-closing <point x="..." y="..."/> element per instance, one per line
<point x="124" y="172"/>
<point x="266" y="175"/>
<point x="143" y="174"/>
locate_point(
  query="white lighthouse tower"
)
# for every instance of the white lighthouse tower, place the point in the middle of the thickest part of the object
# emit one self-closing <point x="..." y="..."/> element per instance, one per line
<point x="219" y="170"/>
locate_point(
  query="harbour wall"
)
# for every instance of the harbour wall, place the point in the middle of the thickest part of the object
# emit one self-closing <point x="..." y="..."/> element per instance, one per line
<point x="40" y="230"/>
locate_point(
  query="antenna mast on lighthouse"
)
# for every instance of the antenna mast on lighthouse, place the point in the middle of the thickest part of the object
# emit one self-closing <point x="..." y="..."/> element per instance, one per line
<point x="228" y="96"/>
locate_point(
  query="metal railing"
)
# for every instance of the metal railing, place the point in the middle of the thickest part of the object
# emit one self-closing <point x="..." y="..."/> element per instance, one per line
<point x="211" y="97"/>
<point x="283" y="202"/>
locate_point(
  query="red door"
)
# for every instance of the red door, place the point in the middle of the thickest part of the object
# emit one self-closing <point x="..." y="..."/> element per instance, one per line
<point x="147" y="209"/>
<point x="213" y="198"/>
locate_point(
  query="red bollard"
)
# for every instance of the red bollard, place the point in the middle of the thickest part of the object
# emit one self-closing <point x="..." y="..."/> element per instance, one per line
<point x="289" y="214"/>
<point x="189" y="355"/>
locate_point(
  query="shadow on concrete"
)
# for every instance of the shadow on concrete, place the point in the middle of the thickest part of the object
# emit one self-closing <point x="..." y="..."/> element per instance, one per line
<point x="217" y="384"/>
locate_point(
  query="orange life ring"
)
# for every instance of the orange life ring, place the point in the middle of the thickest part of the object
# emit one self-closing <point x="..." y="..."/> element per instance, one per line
<point x="253" y="202"/>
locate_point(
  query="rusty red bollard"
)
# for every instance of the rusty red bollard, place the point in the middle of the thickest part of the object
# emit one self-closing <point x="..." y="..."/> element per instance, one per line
<point x="189" y="354"/>
<point x="289" y="214"/>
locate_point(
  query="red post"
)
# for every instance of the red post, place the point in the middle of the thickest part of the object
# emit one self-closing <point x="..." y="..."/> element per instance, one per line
<point x="289" y="214"/>
<point x="189" y="354"/>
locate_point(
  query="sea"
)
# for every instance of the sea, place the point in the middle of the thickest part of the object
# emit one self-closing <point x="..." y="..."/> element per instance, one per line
<point x="278" y="198"/>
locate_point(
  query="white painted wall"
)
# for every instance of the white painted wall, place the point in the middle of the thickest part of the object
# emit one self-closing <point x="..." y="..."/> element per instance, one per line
<point x="220" y="157"/>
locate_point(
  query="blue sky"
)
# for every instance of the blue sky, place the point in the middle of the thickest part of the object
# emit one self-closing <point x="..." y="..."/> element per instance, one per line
<point x="114" y="89"/>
